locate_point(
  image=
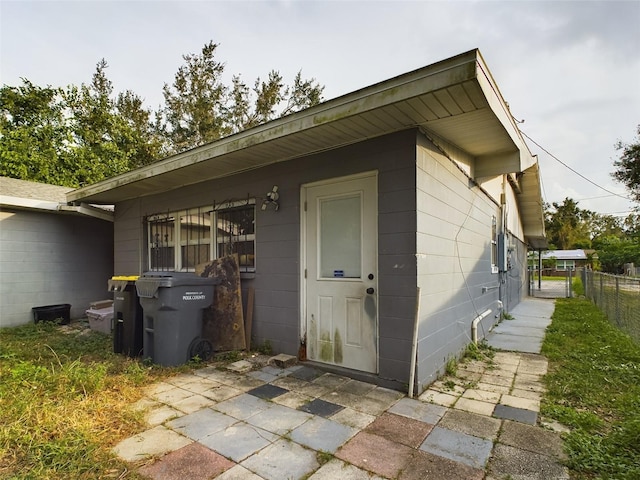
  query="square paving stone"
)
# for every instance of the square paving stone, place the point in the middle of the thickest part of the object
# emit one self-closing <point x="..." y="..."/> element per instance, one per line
<point x="532" y="438"/>
<point x="364" y="404"/>
<point x="321" y="407"/>
<point x="439" y="398"/>
<point x="183" y="379"/>
<point x="194" y="462"/>
<point x="425" y="412"/>
<point x="263" y="376"/>
<point x="356" y="387"/>
<point x="475" y="406"/>
<point x="238" y="473"/>
<point x="278" y="419"/>
<point x="157" y="441"/>
<point x="385" y="396"/>
<point x="247" y="383"/>
<point x="322" y="434"/>
<point x="267" y="392"/>
<point x="517" y="414"/>
<point x="338" y="470"/>
<point x="330" y="380"/>
<point x="277" y="371"/>
<point x="471" y="424"/>
<point x="239" y="441"/>
<point x="193" y="403"/>
<point x="306" y="373"/>
<point x="172" y="395"/>
<point x="153" y="390"/>
<point x="201" y="385"/>
<point x="160" y="414"/>
<point x="520" y="402"/>
<point x="400" y="429"/>
<point x="292" y="399"/>
<point x="426" y="466"/>
<point x="242" y="406"/>
<point x="282" y="459"/>
<point x="482" y="395"/>
<point x="353" y="418"/>
<point x="511" y="462"/>
<point x="459" y="447"/>
<point x="221" y="393"/>
<point x="376" y="454"/>
<point x="201" y="424"/>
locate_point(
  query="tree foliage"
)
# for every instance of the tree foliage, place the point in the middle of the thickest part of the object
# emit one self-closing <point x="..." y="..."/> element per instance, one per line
<point x="79" y="135"/>
<point x="34" y="134"/>
<point x="628" y="166"/>
<point x="73" y="136"/>
<point x="200" y="108"/>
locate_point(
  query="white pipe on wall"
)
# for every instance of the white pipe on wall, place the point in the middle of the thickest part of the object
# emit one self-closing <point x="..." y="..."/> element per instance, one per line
<point x="414" y="343"/>
<point x="474" y="325"/>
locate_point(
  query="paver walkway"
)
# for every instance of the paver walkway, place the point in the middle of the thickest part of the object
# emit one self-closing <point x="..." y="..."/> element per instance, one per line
<point x="298" y="422"/>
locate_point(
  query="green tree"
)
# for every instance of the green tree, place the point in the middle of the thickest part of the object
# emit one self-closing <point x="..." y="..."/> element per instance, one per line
<point x="614" y="252"/>
<point x="628" y="166"/>
<point x="194" y="103"/>
<point x="200" y="108"/>
<point x="567" y="225"/>
<point x="34" y="133"/>
<point x="74" y="136"/>
<point x="111" y="135"/>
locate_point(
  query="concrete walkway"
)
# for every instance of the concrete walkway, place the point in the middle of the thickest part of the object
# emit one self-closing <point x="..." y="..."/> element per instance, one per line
<point x="300" y="423"/>
<point x="525" y="331"/>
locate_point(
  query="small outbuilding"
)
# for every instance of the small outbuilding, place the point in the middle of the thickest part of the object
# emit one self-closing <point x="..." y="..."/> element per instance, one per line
<point x="51" y="253"/>
<point x="341" y="213"/>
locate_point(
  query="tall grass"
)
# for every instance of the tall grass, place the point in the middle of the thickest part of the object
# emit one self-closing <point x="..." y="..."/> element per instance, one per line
<point x="64" y="399"/>
<point x="594" y="388"/>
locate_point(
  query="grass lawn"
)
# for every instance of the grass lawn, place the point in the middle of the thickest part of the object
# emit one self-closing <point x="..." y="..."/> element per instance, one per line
<point x="594" y="388"/>
<point x="63" y="403"/>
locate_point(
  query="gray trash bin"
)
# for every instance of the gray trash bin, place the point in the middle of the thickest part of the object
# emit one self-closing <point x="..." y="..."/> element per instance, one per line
<point x="172" y="306"/>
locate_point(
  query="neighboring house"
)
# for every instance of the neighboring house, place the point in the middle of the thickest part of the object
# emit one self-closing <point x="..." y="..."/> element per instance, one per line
<point x="421" y="181"/>
<point x="562" y="260"/>
<point x="50" y="253"/>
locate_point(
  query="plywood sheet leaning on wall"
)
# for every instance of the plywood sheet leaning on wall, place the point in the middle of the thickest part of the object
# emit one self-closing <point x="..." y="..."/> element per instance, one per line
<point x="223" y="322"/>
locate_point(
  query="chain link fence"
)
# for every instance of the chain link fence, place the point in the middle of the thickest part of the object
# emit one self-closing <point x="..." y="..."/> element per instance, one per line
<point x="618" y="297"/>
<point x="552" y="284"/>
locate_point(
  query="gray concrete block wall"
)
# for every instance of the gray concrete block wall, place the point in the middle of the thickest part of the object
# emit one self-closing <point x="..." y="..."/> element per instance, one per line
<point x="277" y="277"/>
<point x="50" y="259"/>
<point x="453" y="260"/>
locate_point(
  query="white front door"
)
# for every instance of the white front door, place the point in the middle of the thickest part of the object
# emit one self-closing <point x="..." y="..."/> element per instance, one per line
<point x="340" y="258"/>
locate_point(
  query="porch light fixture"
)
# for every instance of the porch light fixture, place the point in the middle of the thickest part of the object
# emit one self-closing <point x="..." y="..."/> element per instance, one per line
<point x="272" y="198"/>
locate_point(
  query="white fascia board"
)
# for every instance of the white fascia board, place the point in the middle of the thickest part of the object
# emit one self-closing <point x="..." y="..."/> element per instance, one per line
<point x="55" y="207"/>
<point x="87" y="211"/>
<point x="28" y="203"/>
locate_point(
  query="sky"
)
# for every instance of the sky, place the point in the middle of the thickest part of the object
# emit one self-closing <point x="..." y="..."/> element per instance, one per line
<point x="570" y="70"/>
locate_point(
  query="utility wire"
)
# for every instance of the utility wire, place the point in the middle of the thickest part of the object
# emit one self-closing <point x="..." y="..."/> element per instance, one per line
<point x="574" y="171"/>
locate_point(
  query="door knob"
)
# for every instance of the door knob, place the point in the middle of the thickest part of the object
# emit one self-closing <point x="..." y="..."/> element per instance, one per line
<point x="370" y="290"/>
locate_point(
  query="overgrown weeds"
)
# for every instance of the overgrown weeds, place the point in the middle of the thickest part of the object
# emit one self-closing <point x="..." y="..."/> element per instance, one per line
<point x="594" y="388"/>
<point x="63" y="402"/>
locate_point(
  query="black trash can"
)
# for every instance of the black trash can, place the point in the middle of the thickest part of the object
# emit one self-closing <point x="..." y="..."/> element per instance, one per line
<point x="127" y="316"/>
<point x="172" y="305"/>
